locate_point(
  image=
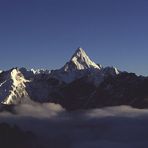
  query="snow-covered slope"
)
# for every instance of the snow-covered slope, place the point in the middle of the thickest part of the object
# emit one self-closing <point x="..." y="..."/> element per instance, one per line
<point x="12" y="87"/>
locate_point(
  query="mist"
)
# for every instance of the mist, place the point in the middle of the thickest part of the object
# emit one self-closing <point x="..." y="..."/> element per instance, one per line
<point x="54" y="127"/>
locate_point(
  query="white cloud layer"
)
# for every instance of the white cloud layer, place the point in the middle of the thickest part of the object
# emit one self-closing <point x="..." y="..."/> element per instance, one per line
<point x="110" y="127"/>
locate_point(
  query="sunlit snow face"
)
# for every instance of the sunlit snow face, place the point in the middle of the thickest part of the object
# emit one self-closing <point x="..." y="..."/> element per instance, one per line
<point x="108" y="127"/>
<point x="82" y="61"/>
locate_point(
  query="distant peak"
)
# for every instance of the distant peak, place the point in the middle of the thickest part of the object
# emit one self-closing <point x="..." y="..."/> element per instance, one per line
<point x="111" y="70"/>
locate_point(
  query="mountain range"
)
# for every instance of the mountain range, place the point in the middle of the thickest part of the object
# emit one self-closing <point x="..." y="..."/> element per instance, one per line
<point x="79" y="84"/>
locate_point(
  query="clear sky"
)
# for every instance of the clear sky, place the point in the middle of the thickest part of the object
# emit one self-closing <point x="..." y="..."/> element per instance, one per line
<point x="45" y="33"/>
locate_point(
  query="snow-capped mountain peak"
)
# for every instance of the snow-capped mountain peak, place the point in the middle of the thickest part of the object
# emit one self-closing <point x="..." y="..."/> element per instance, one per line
<point x="80" y="61"/>
<point x="12" y="87"/>
<point x="78" y="66"/>
<point x="17" y="77"/>
<point x="110" y="71"/>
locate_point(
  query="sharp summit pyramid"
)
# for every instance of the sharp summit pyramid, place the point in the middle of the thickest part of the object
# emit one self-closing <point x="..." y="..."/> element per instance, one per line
<point x="81" y="61"/>
<point x="78" y="66"/>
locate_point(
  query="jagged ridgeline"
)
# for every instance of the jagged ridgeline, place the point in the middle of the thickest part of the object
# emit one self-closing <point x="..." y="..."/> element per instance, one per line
<point x="79" y="84"/>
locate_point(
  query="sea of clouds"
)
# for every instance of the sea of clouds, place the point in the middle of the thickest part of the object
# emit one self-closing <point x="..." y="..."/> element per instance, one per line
<point x="110" y="127"/>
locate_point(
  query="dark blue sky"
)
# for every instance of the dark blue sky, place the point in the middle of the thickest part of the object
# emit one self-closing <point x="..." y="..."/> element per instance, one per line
<point x="45" y="33"/>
